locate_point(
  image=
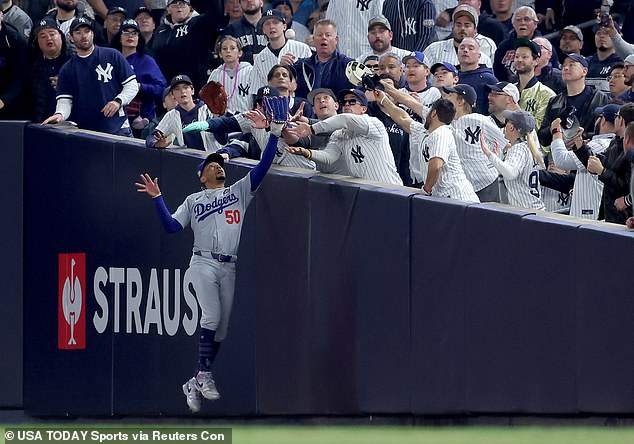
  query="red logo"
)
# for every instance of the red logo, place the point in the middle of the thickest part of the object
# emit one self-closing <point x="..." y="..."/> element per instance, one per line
<point x="71" y="303"/>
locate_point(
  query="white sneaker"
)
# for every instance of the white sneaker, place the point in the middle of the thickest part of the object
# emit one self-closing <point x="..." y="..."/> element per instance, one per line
<point x="193" y="395"/>
<point x="207" y="386"/>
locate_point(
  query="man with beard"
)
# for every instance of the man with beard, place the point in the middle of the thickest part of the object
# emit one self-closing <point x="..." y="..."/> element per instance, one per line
<point x="64" y="13"/>
<point x="534" y="95"/>
<point x="599" y="65"/>
<point x="184" y="41"/>
<point x="474" y="74"/>
<point x="380" y="38"/>
<point x="247" y="31"/>
<point x="95" y="85"/>
<point x="570" y="41"/>
<point x="465" y="22"/>
<point x="628" y="70"/>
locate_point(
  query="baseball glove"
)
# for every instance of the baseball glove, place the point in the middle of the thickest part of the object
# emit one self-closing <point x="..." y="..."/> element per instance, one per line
<point x="278" y="108"/>
<point x="215" y="97"/>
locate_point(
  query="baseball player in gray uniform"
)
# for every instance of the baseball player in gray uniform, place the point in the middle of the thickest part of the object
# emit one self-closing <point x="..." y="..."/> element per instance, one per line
<point x="519" y="165"/>
<point x="216" y="215"/>
<point x="279" y="50"/>
<point x="362" y="140"/>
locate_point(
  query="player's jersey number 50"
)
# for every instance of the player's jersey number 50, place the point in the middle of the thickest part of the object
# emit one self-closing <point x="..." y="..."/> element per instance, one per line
<point x="232" y="216"/>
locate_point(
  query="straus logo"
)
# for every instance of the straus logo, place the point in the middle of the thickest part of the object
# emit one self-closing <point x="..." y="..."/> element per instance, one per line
<point x="71" y="312"/>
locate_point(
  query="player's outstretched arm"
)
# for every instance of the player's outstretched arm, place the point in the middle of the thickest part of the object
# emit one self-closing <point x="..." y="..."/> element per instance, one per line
<point x="278" y="108"/>
<point x="151" y="188"/>
<point x="398" y="115"/>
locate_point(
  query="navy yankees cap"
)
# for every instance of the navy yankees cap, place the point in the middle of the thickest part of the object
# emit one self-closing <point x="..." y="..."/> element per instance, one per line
<point x="464" y="90"/>
<point x="213" y="157"/>
<point x="272" y="14"/>
<point x="356" y="92"/>
<point x="130" y="24"/>
<point x="276" y="3"/>
<point x="82" y="21"/>
<point x="118" y="10"/>
<point x="266" y="91"/>
<point x="578" y="58"/>
<point x="608" y="111"/>
<point x="141" y="10"/>
<point x="45" y="23"/>
<point x="182" y="78"/>
<point x="448" y="66"/>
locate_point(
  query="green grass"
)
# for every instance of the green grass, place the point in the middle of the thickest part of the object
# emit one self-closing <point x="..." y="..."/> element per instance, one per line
<point x="398" y="435"/>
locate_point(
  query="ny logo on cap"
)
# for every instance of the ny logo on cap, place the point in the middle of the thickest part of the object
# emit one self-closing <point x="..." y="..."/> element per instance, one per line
<point x="266" y="91"/>
<point x="179" y="77"/>
<point x="82" y="20"/>
<point x="43" y="23"/>
<point x="269" y="12"/>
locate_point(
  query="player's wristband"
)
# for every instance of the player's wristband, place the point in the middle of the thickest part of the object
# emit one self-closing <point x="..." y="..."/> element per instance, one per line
<point x="310" y="154"/>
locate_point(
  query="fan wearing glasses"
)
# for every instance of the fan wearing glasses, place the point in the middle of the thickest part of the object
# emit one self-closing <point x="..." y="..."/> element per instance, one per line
<point x="361" y="140"/>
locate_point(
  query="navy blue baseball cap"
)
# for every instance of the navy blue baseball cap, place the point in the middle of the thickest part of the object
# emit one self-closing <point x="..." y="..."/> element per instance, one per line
<point x="578" y="58"/>
<point x="213" y="157"/>
<point x="130" y="24"/>
<point x="266" y="91"/>
<point x="82" y="21"/>
<point x="608" y="111"/>
<point x="524" y="42"/>
<point x="356" y="92"/>
<point x="448" y="66"/>
<point x="117" y="10"/>
<point x="271" y="14"/>
<point x="177" y="80"/>
<point x="464" y="90"/>
<point x="45" y="23"/>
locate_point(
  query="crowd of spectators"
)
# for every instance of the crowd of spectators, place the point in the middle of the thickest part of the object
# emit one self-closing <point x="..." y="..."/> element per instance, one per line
<point x="134" y="67"/>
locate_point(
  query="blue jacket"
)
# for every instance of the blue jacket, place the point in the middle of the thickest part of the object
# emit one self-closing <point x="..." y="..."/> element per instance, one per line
<point x="478" y="78"/>
<point x="152" y="82"/>
<point x="334" y="77"/>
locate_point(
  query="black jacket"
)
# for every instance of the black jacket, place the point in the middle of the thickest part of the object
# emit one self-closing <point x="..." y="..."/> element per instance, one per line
<point x="585" y="115"/>
<point x="13" y="66"/>
<point x="251" y="37"/>
<point x="615" y="178"/>
<point x="40" y="85"/>
<point x="185" y="48"/>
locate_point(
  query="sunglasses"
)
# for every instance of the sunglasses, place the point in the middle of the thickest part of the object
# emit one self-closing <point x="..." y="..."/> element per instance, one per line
<point x="130" y="33"/>
<point x="350" y="102"/>
<point x="373" y="67"/>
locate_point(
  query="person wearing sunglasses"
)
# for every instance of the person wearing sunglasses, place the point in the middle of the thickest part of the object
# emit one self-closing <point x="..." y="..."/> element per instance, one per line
<point x="360" y="139"/>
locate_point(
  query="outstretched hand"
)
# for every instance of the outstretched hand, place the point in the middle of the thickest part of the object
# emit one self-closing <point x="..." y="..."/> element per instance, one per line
<point x="485" y="146"/>
<point x="258" y="118"/>
<point x="149" y="186"/>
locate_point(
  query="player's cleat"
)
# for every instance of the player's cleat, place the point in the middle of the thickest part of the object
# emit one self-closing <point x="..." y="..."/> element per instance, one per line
<point x="194" y="398"/>
<point x="207" y="386"/>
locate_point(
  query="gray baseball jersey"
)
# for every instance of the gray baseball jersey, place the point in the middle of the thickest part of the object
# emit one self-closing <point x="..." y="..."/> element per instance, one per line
<point x="352" y="17"/>
<point x="237" y="86"/>
<point x="398" y="51"/>
<point x="216" y="215"/>
<point x="587" y="190"/>
<point x="440" y="143"/>
<point x="364" y="143"/>
<point x="171" y="124"/>
<point x="477" y="167"/>
<point x="520" y="175"/>
<point x="265" y="60"/>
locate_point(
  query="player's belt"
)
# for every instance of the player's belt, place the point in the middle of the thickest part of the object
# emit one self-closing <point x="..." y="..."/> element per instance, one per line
<point x="218" y="256"/>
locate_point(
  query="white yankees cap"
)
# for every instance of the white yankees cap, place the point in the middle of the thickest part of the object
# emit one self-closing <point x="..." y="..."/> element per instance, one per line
<point x="507" y="88"/>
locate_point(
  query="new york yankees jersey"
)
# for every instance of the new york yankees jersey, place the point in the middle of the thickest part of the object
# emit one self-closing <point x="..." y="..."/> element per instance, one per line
<point x="477" y="167"/>
<point x="398" y="51"/>
<point x="587" y="189"/>
<point x="282" y="157"/>
<point x="364" y="143"/>
<point x="554" y="200"/>
<point x="266" y="59"/>
<point x="216" y="216"/>
<point x="445" y="51"/>
<point x="353" y="16"/>
<point x="171" y="123"/>
<point x="534" y="99"/>
<point x="91" y="82"/>
<point x="237" y="87"/>
<point x="452" y="181"/>
<point x="426" y="97"/>
<point x="417" y="136"/>
<point x="520" y="175"/>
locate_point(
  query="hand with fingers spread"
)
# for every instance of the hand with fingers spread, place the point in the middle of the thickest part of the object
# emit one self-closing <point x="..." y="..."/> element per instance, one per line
<point x="485" y="146"/>
<point x="148" y="186"/>
<point x="298" y="151"/>
<point x="299" y="114"/>
<point x="258" y="118"/>
<point x="302" y="129"/>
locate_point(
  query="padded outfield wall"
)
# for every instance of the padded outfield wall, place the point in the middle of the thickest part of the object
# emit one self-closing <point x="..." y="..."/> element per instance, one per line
<point x="351" y="298"/>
